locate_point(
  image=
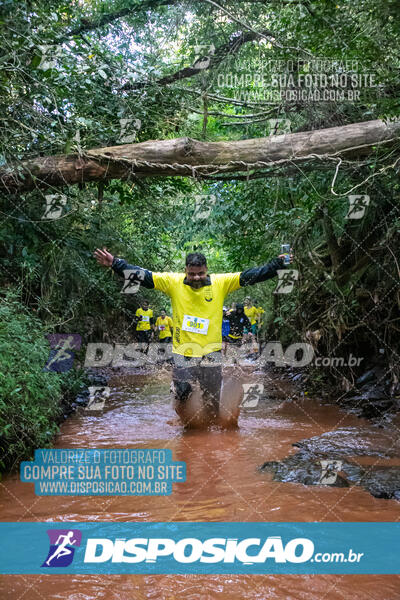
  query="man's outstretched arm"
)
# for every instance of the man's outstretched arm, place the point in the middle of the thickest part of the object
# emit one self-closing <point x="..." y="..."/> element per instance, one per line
<point x="258" y="274"/>
<point x="119" y="265"/>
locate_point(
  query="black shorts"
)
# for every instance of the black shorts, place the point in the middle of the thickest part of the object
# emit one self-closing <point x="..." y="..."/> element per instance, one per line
<point x="166" y="340"/>
<point x="209" y="376"/>
<point x="143" y="337"/>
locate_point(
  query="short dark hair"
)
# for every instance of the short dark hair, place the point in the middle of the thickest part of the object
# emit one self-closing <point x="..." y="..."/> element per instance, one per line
<point x="196" y="259"/>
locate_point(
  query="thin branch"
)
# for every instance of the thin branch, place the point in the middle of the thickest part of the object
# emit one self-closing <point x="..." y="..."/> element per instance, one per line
<point x="221" y="114"/>
<point x="226" y="99"/>
<point x="272" y="40"/>
<point x="207" y="62"/>
<point x="104" y="20"/>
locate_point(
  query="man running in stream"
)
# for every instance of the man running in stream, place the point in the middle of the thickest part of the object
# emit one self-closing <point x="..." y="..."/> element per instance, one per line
<point x="197" y="299"/>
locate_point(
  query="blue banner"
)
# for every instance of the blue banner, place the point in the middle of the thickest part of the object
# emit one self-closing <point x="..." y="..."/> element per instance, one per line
<point x="200" y="548"/>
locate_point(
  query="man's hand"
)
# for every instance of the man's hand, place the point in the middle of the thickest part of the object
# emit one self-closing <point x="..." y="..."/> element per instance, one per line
<point x="103" y="257"/>
<point x="283" y="256"/>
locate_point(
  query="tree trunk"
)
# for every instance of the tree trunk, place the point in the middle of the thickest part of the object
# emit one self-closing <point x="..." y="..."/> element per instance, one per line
<point x="188" y="157"/>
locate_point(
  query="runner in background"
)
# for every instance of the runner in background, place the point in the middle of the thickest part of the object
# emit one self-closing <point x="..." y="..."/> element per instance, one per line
<point x="238" y="324"/>
<point x="260" y="322"/>
<point x="144" y="327"/>
<point x="233" y="306"/>
<point x="251" y="334"/>
<point x="225" y="329"/>
<point x="164" y="326"/>
<point x="260" y="312"/>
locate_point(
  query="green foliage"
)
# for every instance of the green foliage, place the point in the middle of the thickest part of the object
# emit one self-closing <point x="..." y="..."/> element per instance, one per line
<point x="29" y="397"/>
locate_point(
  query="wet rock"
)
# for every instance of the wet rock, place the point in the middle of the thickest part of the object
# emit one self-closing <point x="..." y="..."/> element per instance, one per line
<point x="324" y="460"/>
<point x="367" y="376"/>
<point x="82" y="401"/>
<point x="351" y="441"/>
<point x="380" y="481"/>
<point x="98" y="379"/>
<point x="302" y="468"/>
<point x="371" y="392"/>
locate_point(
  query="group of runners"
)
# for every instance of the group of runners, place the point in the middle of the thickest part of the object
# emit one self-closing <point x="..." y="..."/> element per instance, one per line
<point x="148" y="327"/>
<point x="241" y="324"/>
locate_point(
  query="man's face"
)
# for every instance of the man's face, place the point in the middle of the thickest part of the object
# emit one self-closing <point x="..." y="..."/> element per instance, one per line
<point x="163" y="314"/>
<point x="145" y="305"/>
<point x="247" y="301"/>
<point x="196" y="275"/>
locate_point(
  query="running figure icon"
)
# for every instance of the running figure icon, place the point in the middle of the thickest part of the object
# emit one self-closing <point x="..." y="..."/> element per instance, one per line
<point x="63" y="543"/>
<point x="62" y="549"/>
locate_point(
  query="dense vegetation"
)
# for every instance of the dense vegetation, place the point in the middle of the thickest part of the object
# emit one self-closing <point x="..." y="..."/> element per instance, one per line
<point x="73" y="71"/>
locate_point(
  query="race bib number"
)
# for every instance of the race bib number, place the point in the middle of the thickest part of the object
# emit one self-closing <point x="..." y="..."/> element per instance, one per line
<point x="145" y="318"/>
<point x="195" y="324"/>
<point x="161" y="327"/>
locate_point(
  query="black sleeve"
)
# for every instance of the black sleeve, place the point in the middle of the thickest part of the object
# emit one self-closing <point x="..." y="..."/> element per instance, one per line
<point x="258" y="274"/>
<point x="145" y="277"/>
<point x="152" y="320"/>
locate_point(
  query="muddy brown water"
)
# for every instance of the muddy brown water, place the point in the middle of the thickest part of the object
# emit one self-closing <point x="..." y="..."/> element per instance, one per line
<point x="223" y="484"/>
